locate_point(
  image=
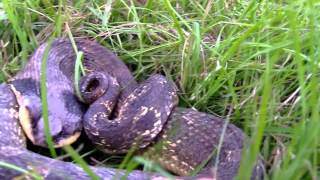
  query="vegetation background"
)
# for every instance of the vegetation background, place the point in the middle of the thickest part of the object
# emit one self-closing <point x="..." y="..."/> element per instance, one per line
<point x="252" y="62"/>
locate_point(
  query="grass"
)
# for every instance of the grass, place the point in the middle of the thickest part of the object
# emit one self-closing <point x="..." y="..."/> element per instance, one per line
<point x="25" y="173"/>
<point x="257" y="60"/>
<point x="44" y="100"/>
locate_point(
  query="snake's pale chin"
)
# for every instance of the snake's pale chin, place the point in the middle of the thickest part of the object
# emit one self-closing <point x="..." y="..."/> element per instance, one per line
<point x="25" y="122"/>
<point x="67" y="141"/>
<point x="24" y="115"/>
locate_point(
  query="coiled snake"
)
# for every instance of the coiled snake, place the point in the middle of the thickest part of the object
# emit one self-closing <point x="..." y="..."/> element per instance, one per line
<point x="122" y="114"/>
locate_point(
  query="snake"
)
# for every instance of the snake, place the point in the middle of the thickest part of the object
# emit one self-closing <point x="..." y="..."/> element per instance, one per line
<point x="117" y="114"/>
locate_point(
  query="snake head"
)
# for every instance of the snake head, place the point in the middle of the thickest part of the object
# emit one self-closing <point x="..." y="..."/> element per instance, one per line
<point x="64" y="116"/>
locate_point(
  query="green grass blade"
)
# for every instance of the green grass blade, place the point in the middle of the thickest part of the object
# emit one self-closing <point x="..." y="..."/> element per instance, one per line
<point x="15" y="19"/>
<point x="44" y="99"/>
<point x="150" y="165"/>
<point x="78" y="69"/>
<point x="176" y="23"/>
<point x="58" y="20"/>
<point x="19" y="169"/>
<point x="77" y="74"/>
<point x="81" y="162"/>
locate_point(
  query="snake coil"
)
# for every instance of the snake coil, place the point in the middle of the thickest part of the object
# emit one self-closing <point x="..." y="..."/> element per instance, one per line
<point x="122" y="114"/>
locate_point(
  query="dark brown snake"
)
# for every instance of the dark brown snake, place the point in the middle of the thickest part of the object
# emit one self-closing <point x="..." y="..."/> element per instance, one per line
<point x="121" y="115"/>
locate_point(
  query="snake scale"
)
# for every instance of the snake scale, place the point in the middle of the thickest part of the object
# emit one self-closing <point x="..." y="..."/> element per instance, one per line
<point x="117" y="114"/>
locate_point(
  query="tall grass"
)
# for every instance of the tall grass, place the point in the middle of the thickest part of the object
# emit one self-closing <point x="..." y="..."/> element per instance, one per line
<point x="258" y="60"/>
